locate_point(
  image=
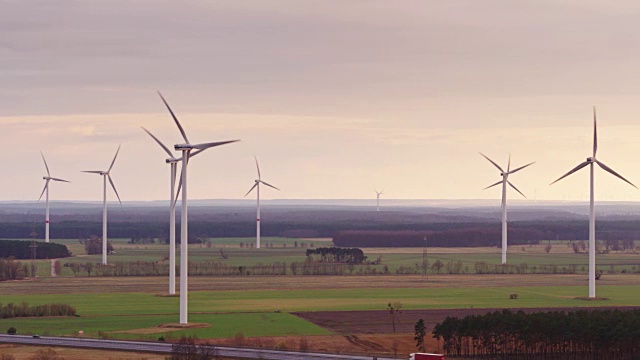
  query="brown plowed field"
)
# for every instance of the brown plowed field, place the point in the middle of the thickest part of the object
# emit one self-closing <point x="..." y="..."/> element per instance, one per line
<point x="379" y="321"/>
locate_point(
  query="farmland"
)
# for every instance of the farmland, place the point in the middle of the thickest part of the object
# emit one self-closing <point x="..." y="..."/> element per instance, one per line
<point x="105" y="307"/>
<point x="284" y="251"/>
<point x="271" y="310"/>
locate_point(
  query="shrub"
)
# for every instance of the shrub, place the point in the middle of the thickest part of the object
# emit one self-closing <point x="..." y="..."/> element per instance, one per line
<point x="239" y="339"/>
<point x="12" y="331"/>
<point x="303" y="344"/>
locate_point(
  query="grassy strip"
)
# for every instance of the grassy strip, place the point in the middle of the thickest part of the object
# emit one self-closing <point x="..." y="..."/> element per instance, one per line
<point x="221" y="326"/>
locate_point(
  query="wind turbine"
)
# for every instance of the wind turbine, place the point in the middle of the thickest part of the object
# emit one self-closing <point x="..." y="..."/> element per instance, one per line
<point x="106" y="175"/>
<point x="378" y="193"/>
<point x="505" y="181"/>
<point x="592" y="214"/>
<point x="256" y="186"/>
<point x="173" y="162"/>
<point x="186" y="149"/>
<point x="46" y="189"/>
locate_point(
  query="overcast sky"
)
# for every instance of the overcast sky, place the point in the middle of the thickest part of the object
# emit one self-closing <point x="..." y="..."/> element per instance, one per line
<point x="335" y="98"/>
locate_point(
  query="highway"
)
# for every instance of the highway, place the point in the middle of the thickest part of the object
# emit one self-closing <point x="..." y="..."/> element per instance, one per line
<point x="159" y="347"/>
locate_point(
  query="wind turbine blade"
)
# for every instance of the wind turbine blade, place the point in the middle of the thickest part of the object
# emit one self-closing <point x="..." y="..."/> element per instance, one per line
<point x="43" y="190"/>
<point x="250" y="190"/>
<point x="56" y="179"/>
<point x="269" y="185"/>
<point x="610" y="170"/>
<point x="114" y="188"/>
<point x="114" y="159"/>
<point x="595" y="133"/>
<point x="159" y="143"/>
<point x="492" y="185"/>
<point x="204" y="146"/>
<point x="491" y="161"/>
<point x="92" y="171"/>
<point x="509" y="163"/>
<point x="258" y="167"/>
<point x="516" y="189"/>
<point x="175" y="201"/>
<point x="192" y="154"/>
<point x="45" y="164"/>
<point x="521" y="167"/>
<point x="184" y="135"/>
<point x="571" y="172"/>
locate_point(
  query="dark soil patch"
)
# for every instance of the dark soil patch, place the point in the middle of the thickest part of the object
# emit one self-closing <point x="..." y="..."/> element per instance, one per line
<point x="379" y="321"/>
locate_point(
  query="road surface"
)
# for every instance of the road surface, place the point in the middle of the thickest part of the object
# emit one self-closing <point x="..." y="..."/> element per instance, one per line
<point x="159" y="347"/>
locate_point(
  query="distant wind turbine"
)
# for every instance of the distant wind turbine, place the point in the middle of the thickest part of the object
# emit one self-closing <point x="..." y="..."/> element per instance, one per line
<point x="106" y="175"/>
<point x="173" y="162"/>
<point x="378" y="193"/>
<point x="46" y="189"/>
<point x="256" y="186"/>
<point x="504" y="182"/>
<point x="592" y="214"/>
<point x="186" y="149"/>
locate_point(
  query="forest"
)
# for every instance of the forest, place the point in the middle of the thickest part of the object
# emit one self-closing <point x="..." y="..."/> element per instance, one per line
<point x="470" y="237"/>
<point x="583" y="334"/>
<point x="19" y="249"/>
<point x="484" y="232"/>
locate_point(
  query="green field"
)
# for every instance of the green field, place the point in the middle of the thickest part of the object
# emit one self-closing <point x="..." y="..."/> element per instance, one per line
<point x="265" y="312"/>
<point x="221" y="326"/>
<point x="332" y="299"/>
<point x="261" y="305"/>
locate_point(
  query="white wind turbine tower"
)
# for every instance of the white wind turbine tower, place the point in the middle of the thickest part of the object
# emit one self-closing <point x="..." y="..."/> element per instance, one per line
<point x="256" y="186"/>
<point x="504" y="182"/>
<point x="378" y="193"/>
<point x="173" y="162"/>
<point x="48" y="178"/>
<point x="106" y="175"/>
<point x="186" y="149"/>
<point x="592" y="215"/>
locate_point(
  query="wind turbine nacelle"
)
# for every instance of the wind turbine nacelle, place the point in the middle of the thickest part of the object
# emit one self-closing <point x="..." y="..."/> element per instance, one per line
<point x="590" y="159"/>
<point x="172" y="161"/>
<point x="183" y="147"/>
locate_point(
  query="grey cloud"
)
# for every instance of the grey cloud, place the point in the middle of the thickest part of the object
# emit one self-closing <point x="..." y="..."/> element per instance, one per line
<point x="367" y="58"/>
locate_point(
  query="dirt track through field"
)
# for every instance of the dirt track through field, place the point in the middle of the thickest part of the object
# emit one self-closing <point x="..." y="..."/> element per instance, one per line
<point x="157" y="285"/>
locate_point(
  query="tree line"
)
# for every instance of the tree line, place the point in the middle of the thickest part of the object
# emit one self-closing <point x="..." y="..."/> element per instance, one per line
<point x="334" y="254"/>
<point x="559" y="335"/>
<point x="12" y="310"/>
<point x="12" y="270"/>
<point x="312" y="267"/>
<point x="217" y="268"/>
<point x="22" y="249"/>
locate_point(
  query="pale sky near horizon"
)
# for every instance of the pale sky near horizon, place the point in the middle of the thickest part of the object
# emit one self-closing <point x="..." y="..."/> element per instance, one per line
<point x="336" y="98"/>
